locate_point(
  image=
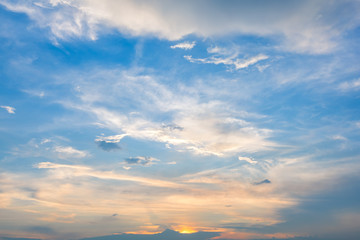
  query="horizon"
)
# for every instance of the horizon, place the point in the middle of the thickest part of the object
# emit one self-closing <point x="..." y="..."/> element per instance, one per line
<point x="215" y="119"/>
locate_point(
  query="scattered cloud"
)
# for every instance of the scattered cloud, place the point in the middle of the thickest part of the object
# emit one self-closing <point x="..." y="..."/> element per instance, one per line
<point x="145" y="161"/>
<point x="9" y="109"/>
<point x="232" y="60"/>
<point x="184" y="45"/>
<point x="204" y="126"/>
<point x="247" y="159"/>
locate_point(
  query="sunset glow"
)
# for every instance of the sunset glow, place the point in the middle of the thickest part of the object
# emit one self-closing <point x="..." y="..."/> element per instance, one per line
<point x="179" y="120"/>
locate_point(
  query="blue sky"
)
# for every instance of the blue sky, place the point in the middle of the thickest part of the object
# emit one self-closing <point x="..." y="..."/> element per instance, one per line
<point x="237" y="118"/>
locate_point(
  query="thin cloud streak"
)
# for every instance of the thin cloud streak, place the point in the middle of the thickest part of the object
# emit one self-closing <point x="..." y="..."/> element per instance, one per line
<point x="87" y="171"/>
<point x="9" y="109"/>
<point x="232" y="60"/>
<point x="184" y="45"/>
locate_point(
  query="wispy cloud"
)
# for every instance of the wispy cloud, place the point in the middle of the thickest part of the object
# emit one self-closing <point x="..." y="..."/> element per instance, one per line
<point x="303" y="26"/>
<point x="9" y="109"/>
<point x="247" y="159"/>
<point x="69" y="152"/>
<point x="36" y="93"/>
<point x="339" y="137"/>
<point x="49" y="148"/>
<point x="350" y="85"/>
<point x="231" y="61"/>
<point x="184" y="45"/>
<point x="266" y="181"/>
<point x="79" y="170"/>
<point x="206" y="127"/>
<point x="145" y="161"/>
<point x="111" y="139"/>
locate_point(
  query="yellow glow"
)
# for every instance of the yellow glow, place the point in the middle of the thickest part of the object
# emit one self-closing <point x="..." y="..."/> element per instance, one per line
<point x="185" y="229"/>
<point x="143" y="232"/>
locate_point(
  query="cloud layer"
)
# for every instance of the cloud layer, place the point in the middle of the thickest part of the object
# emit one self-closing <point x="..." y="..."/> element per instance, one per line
<point x="306" y="26"/>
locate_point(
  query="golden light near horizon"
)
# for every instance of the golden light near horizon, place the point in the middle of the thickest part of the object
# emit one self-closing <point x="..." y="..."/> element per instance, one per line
<point x="185" y="229"/>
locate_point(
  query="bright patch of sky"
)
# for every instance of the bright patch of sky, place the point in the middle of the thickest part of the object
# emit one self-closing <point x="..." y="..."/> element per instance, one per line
<point x="236" y="119"/>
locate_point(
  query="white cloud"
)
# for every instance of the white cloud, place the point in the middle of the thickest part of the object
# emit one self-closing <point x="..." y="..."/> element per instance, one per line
<point x="350" y="85"/>
<point x="111" y="139"/>
<point x="304" y="26"/>
<point x="79" y="170"/>
<point x="261" y="68"/>
<point x="247" y="159"/>
<point x="199" y="125"/>
<point x="216" y="49"/>
<point x="231" y="60"/>
<point x="339" y="137"/>
<point x="49" y="148"/>
<point x="35" y="93"/>
<point x="9" y="109"/>
<point x="69" y="152"/>
<point x="184" y="45"/>
<point x="303" y="176"/>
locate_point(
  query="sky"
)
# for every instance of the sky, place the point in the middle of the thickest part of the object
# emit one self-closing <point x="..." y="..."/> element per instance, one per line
<point x="154" y="119"/>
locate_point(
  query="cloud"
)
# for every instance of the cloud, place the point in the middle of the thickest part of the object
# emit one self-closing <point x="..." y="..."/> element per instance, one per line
<point x="56" y="147"/>
<point x="109" y="143"/>
<point x="261" y="68"/>
<point x="263" y="182"/>
<point x="305" y="26"/>
<point x="231" y="60"/>
<point x="145" y="161"/>
<point x="111" y="139"/>
<point x="184" y="45"/>
<point x="9" y="109"/>
<point x="70" y="152"/>
<point x="247" y="159"/>
<point x="339" y="137"/>
<point x="206" y="125"/>
<point x="350" y="85"/>
<point x="35" y="93"/>
<point x="107" y="146"/>
<point x="79" y="170"/>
